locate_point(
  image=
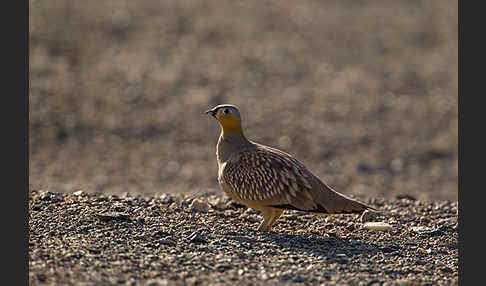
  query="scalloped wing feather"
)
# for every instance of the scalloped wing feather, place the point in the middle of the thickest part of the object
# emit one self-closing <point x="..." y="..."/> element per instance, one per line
<point x="270" y="177"/>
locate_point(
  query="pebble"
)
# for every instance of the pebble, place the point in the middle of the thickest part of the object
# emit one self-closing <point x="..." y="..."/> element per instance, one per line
<point x="78" y="193"/>
<point x="217" y="202"/>
<point x="196" y="237"/>
<point x="108" y="216"/>
<point x="199" y="206"/>
<point x="429" y="231"/>
<point x="420" y="229"/>
<point x="424" y="251"/>
<point x="378" y="226"/>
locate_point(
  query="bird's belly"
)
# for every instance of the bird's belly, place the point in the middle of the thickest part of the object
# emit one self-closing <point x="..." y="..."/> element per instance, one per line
<point x="234" y="195"/>
<point x="227" y="189"/>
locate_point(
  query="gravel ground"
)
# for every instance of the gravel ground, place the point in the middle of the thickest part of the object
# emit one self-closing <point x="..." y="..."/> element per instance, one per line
<point x="173" y="239"/>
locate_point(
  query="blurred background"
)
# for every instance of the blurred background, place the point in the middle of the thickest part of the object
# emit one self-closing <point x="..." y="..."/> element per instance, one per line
<point x="364" y="93"/>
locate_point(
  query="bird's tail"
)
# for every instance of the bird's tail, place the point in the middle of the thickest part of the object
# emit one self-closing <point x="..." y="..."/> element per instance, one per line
<point x="333" y="202"/>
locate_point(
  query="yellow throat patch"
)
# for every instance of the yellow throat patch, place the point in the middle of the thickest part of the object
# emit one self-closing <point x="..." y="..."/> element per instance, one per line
<point x="229" y="123"/>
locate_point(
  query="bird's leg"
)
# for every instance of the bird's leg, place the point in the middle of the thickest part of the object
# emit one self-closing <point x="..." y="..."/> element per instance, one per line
<point x="270" y="215"/>
<point x="277" y="214"/>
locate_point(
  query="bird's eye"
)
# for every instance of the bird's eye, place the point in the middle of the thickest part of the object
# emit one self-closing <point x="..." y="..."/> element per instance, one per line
<point x="225" y="111"/>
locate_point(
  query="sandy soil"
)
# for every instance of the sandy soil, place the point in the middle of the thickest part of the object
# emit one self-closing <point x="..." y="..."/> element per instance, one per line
<point x="365" y="94"/>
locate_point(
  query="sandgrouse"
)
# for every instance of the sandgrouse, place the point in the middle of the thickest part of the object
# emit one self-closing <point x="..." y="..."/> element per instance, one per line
<point x="269" y="180"/>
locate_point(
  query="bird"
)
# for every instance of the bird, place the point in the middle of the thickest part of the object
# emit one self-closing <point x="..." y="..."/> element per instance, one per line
<point x="269" y="180"/>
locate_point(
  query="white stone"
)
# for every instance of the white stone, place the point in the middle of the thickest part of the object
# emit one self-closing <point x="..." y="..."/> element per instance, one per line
<point x="377" y="226"/>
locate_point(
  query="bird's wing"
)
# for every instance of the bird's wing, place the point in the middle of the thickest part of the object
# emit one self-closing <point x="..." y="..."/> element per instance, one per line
<point x="270" y="177"/>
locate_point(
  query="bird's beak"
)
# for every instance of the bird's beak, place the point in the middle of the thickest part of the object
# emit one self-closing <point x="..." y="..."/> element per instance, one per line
<point x="211" y="112"/>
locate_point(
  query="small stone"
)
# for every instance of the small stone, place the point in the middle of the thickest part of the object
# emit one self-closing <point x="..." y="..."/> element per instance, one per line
<point x="196" y="237"/>
<point x="350" y="226"/>
<point x="167" y="241"/>
<point x="424" y="251"/>
<point x="119" y="207"/>
<point x="44" y="196"/>
<point x="160" y="233"/>
<point x="264" y="276"/>
<point x="377" y="226"/>
<point x="406" y="197"/>
<point x="420" y="229"/>
<point x="78" y="193"/>
<point x="287" y="276"/>
<point x="108" y="216"/>
<point x="163" y="196"/>
<point x="191" y="281"/>
<point x="93" y="250"/>
<point x="157" y="282"/>
<point x="446" y="269"/>
<point x="173" y="205"/>
<point x="423" y="230"/>
<point x="217" y="203"/>
<point x="389" y="248"/>
<point x="199" y="206"/>
<point x="298" y="279"/>
<point x="222" y="267"/>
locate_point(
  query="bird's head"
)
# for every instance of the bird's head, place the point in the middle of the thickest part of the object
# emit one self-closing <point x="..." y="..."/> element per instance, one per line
<point x="228" y="117"/>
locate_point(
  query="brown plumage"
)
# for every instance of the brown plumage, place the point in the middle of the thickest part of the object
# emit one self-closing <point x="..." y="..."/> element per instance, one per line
<point x="270" y="180"/>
